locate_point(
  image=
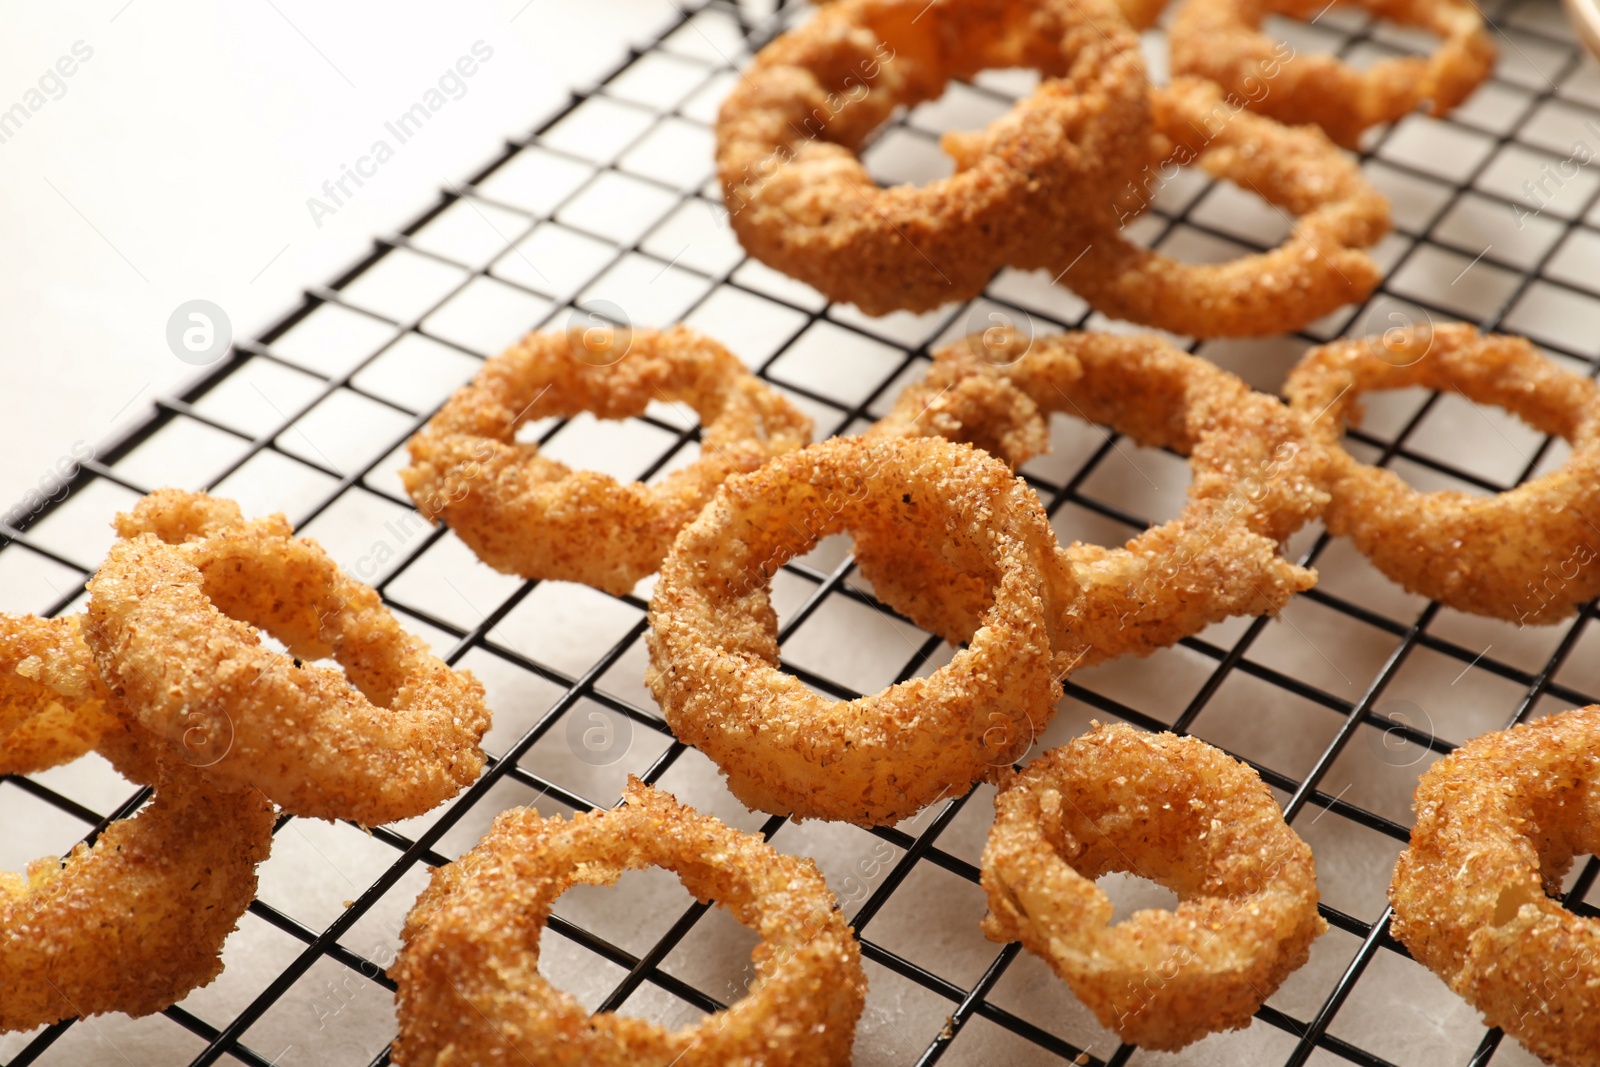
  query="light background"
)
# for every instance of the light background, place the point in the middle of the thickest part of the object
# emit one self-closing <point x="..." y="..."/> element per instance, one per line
<point x="177" y="163"/>
<point x="1341" y="703"/>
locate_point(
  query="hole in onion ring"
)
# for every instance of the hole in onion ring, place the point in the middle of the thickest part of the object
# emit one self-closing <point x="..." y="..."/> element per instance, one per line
<point x="915" y="152"/>
<point x="635" y="911"/>
<point x="1149" y="484"/>
<point x="1130" y="893"/>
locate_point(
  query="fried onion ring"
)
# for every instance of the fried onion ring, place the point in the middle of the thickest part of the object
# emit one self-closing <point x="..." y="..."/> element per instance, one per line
<point x="470" y="990"/>
<point x="801" y="201"/>
<point x="1255" y="481"/>
<point x="1498" y="823"/>
<point x="173" y="631"/>
<point x="1186" y="816"/>
<point x="1222" y="40"/>
<point x="1526" y="554"/>
<point x="877" y="759"/>
<point x="524" y="513"/>
<point x="52" y="702"/>
<point x="1141" y="14"/>
<point x="1317" y="269"/>
<point x="135" y="922"/>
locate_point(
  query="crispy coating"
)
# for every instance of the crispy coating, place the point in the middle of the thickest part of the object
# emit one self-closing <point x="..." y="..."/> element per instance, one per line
<point x="52" y="703"/>
<point x="1222" y="40"/>
<point x="1529" y="554"/>
<point x="880" y="758"/>
<point x="1317" y="269"/>
<point x="1141" y="14"/>
<point x="524" y="513"/>
<point x="801" y="201"/>
<point x="176" y="516"/>
<point x="470" y="991"/>
<point x="173" y="631"/>
<point x="1186" y="816"/>
<point x="49" y="679"/>
<point x="1498" y="823"/>
<point x="1256" y="480"/>
<point x="135" y="922"/>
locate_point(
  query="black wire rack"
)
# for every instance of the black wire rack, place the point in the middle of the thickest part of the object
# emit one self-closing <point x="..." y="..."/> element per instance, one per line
<point x="1340" y="704"/>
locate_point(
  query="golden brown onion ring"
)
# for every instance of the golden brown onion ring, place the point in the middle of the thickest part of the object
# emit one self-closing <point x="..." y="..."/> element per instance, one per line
<point x="1317" y="269"/>
<point x="1221" y="40"/>
<point x="1255" y="481"/>
<point x="173" y="631"/>
<point x="801" y="201"/>
<point x="1499" y="821"/>
<point x="1186" y="816"/>
<point x="524" y="513"/>
<point x="52" y="702"/>
<point x="136" y="921"/>
<point x="1141" y="14"/>
<point x="880" y="758"/>
<point x="470" y="990"/>
<point x="1528" y="554"/>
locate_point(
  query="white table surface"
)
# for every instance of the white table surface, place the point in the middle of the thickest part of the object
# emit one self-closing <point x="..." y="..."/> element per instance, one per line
<point x="176" y="161"/>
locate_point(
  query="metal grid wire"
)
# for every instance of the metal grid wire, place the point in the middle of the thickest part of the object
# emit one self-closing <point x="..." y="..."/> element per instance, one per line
<point x="375" y="351"/>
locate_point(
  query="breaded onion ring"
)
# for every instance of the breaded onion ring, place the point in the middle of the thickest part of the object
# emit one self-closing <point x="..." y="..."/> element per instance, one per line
<point x="524" y="513"/>
<point x="1317" y="269"/>
<point x="470" y="990"/>
<point x="50" y="685"/>
<point x="173" y="631"/>
<point x="801" y="201"/>
<point x="1186" y="816"/>
<point x="52" y="702"/>
<point x="137" y="921"/>
<point x="1498" y="823"/>
<point x="1527" y="554"/>
<point x="1222" y="40"/>
<point x="877" y="759"/>
<point x="1255" y="481"/>
<point x="1141" y="14"/>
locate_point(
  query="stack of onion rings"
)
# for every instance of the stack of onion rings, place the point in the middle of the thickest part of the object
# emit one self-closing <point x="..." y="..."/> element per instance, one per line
<point x="1256" y="481"/>
<point x="526" y="514"/>
<point x="1182" y="814"/>
<point x="1222" y="40"/>
<point x="1526" y="554"/>
<point x="714" y="653"/>
<point x="470" y="990"/>
<point x="172" y="628"/>
<point x="801" y="201"/>
<point x="1317" y="269"/>
<point x="1498" y="824"/>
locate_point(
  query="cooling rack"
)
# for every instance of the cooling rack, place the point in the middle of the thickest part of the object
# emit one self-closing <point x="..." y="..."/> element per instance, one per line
<point x="608" y="210"/>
